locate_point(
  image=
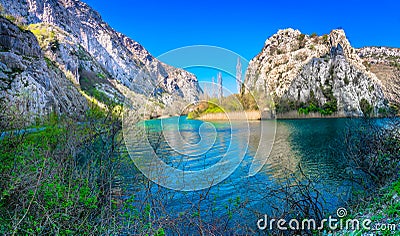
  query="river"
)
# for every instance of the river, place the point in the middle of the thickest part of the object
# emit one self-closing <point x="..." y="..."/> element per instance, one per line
<point x="314" y="145"/>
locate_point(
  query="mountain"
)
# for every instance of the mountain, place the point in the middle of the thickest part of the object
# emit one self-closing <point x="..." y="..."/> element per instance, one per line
<point x="28" y="83"/>
<point x="320" y="74"/>
<point x="99" y="61"/>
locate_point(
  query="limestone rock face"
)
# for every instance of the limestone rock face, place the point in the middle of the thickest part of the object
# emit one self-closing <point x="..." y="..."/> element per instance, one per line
<point x="335" y="81"/>
<point x="384" y="62"/>
<point x="298" y="69"/>
<point x="88" y="42"/>
<point x="29" y="83"/>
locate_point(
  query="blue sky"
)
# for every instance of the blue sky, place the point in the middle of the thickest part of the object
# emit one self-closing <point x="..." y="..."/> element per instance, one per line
<point x="243" y="26"/>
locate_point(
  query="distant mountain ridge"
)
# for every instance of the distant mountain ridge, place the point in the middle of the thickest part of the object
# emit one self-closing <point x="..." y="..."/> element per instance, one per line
<point x="311" y="73"/>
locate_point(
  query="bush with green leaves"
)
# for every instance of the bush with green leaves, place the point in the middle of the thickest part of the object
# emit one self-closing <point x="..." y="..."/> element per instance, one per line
<point x="56" y="179"/>
<point x="366" y="107"/>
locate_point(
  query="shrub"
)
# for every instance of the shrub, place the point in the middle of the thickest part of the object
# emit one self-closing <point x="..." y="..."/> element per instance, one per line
<point x="329" y="107"/>
<point x="205" y="108"/>
<point x="301" y="37"/>
<point x="366" y="107"/>
<point x="101" y="76"/>
<point x="213" y="108"/>
<point x="56" y="180"/>
<point x="395" y="64"/>
<point x="374" y="149"/>
<point x="325" y="38"/>
<point x="88" y="82"/>
<point x="45" y="35"/>
<point x="248" y="101"/>
<point x="10" y="18"/>
<point x="48" y="62"/>
<point x="346" y="80"/>
<point x="285" y="105"/>
<point x="308" y="109"/>
<point x="301" y="40"/>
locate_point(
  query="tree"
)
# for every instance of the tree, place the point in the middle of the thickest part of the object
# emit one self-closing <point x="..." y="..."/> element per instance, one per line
<point x="366" y="107"/>
<point x="220" y="91"/>
<point x="212" y="88"/>
<point x="239" y="75"/>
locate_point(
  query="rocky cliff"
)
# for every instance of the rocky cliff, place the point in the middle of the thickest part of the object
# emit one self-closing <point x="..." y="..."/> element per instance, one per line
<point x="29" y="85"/>
<point x="75" y="39"/>
<point x="384" y="62"/>
<point x="310" y="73"/>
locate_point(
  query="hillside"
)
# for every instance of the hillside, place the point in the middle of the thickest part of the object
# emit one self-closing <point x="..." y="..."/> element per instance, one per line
<point x="100" y="62"/>
<point x="31" y="85"/>
<point x="384" y="62"/>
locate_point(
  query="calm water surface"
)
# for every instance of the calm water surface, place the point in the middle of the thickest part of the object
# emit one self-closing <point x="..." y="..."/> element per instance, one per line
<point x="315" y="144"/>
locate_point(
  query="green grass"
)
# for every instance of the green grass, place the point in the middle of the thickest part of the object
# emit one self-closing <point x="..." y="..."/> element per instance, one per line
<point x="45" y="186"/>
<point x="44" y="34"/>
<point x="383" y="207"/>
<point x="53" y="194"/>
<point x="392" y="196"/>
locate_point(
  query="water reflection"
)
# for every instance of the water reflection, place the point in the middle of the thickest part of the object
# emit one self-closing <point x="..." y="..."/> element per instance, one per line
<point x="313" y="144"/>
<point x="282" y="158"/>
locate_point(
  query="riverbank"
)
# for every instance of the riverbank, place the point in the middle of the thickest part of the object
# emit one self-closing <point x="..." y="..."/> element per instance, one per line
<point x="266" y="115"/>
<point x="235" y="115"/>
<point x="312" y="115"/>
<point x="291" y="115"/>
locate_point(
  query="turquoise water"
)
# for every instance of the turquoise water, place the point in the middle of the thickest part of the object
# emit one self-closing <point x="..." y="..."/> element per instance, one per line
<point x="314" y="144"/>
